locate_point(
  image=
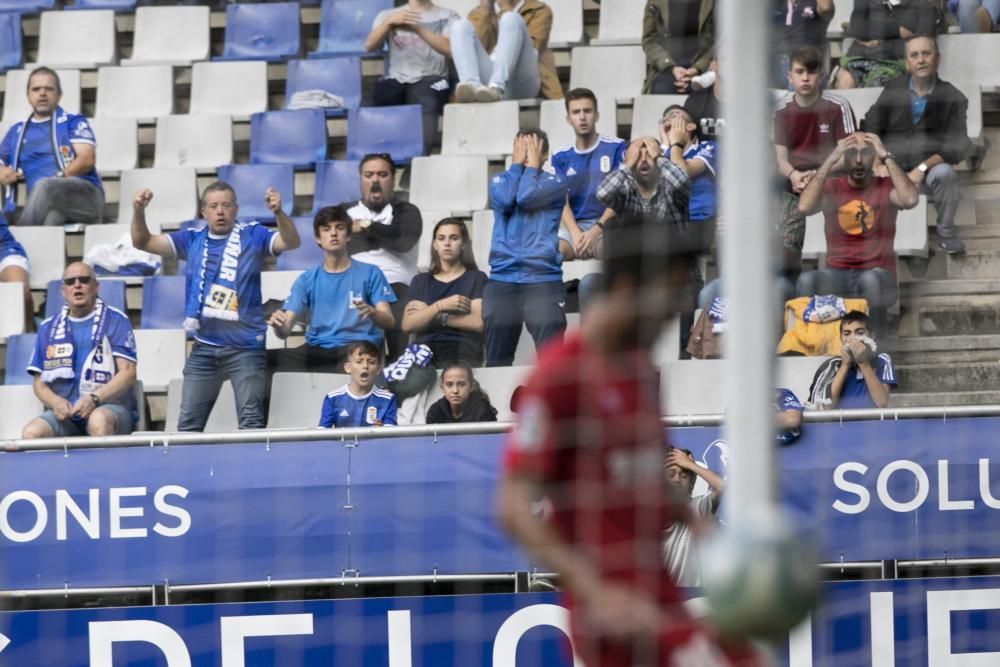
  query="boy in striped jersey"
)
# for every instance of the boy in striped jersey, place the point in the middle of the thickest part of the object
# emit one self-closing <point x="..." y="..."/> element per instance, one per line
<point x="360" y="402"/>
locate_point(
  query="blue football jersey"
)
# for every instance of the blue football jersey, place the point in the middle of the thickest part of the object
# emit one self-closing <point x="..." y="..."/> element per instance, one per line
<point x="342" y="409"/>
<point x="585" y="171"/>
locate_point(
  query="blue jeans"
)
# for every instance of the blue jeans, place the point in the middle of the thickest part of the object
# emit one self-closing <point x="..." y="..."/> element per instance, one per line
<point x="967" y="9"/>
<point x="205" y="371"/>
<point x="513" y="65"/>
<point x="507" y="306"/>
<point x="876" y="286"/>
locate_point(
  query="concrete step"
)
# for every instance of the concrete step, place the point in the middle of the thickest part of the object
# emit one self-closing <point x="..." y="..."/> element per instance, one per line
<point x="974" y="264"/>
<point x="984" y="230"/>
<point x="958" y="377"/>
<point x="899" y="399"/>
<point x="913" y="289"/>
<point x="946" y="358"/>
<point x="944" y="344"/>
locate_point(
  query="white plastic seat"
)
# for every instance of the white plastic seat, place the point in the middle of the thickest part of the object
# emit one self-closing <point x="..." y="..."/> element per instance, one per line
<point x="552" y="120"/>
<point x="175" y="194"/>
<point x="456" y="183"/>
<point x="77" y="39"/>
<point x="481" y="231"/>
<point x="276" y="285"/>
<point x="118" y="143"/>
<point x="970" y="58"/>
<point x="170" y="35"/>
<point x="974" y="114"/>
<point x="15" y="102"/>
<point x="18" y="406"/>
<point x="618" y="71"/>
<point x="46" y="250"/>
<point x="95" y="235"/>
<point x="202" y="142"/>
<point x="135" y="92"/>
<point x="233" y="88"/>
<point x="860" y="99"/>
<point x="11" y="309"/>
<point x="297" y="398"/>
<point x="463" y="7"/>
<point x="161" y="354"/>
<point x="814" y="243"/>
<point x="620" y="22"/>
<point x="841" y="14"/>
<point x="567" y="23"/>
<point x="579" y="268"/>
<point x="464" y="130"/>
<point x="222" y="419"/>
<point x="647" y="110"/>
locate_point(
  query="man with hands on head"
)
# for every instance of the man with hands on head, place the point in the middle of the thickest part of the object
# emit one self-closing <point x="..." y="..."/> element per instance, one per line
<point x="223" y="307"/>
<point x="647" y="186"/>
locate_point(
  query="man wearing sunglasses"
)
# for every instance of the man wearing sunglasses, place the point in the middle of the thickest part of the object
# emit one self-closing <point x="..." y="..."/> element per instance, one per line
<point x="84" y="365"/>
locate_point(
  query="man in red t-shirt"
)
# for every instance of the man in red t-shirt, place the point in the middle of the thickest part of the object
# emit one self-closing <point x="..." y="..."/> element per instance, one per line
<point x="860" y="221"/>
<point x="590" y="439"/>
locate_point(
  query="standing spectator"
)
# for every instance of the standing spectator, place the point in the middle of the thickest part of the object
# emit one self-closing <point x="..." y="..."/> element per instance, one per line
<point x="463" y="401"/>
<point x="53" y="153"/>
<point x="679" y="557"/>
<point x="678" y="37"/>
<point x="880" y="29"/>
<point x="84" y="365"/>
<point x="525" y="285"/>
<point x="797" y="23"/>
<point x="922" y="120"/>
<point x="385" y="233"/>
<point x="858" y="378"/>
<point x="584" y="165"/>
<point x="502" y="52"/>
<point x="360" y="402"/>
<point x="860" y="222"/>
<point x="446" y="303"/>
<point x="222" y="300"/>
<point x="698" y="158"/>
<point x="705" y="106"/>
<point x="978" y="15"/>
<point x="343" y="300"/>
<point x="417" y="69"/>
<point x="14" y="268"/>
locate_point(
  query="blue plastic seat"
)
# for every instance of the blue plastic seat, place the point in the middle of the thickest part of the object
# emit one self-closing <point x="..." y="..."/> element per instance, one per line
<point x="163" y="302"/>
<point x="266" y="31"/>
<point x="119" y="5"/>
<point x="26" y="6"/>
<point x="397" y="131"/>
<point x="307" y="255"/>
<point x="288" y="137"/>
<point x="344" y="24"/>
<point x="337" y="181"/>
<point x="340" y="76"/>
<point x="250" y="181"/>
<point x="19" y="351"/>
<point x="112" y="291"/>
<point x="11" y="49"/>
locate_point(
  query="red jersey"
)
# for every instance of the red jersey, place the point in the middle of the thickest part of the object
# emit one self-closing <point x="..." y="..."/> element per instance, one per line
<point x="811" y="133"/>
<point x="860" y="225"/>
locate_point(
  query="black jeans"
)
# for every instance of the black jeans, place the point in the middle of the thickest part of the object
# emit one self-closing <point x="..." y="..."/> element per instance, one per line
<point x="430" y="92"/>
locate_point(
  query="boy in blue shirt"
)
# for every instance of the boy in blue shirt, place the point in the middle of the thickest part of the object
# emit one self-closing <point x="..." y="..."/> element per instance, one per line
<point x="360" y="402"/>
<point x="859" y="377"/>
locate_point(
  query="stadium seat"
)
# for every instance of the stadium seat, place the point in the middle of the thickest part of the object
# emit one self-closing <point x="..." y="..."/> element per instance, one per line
<point x="288" y="137"/>
<point x="18" y="404"/>
<point x="161" y="354"/>
<point x="307" y="255"/>
<point x="251" y="181"/>
<point x="25" y="6"/>
<point x="340" y="76"/>
<point x="455" y="183"/>
<point x="463" y="131"/>
<point x="577" y="269"/>
<point x="12" y="307"/>
<point x="118" y="139"/>
<point x="620" y="22"/>
<point x="647" y="110"/>
<point x="118" y="5"/>
<point x="463" y="7"/>
<point x="553" y="121"/>
<point x="481" y="231"/>
<point x="162" y="302"/>
<point x="11" y="48"/>
<point x="112" y="290"/>
<point x="396" y="130"/>
<point x="46" y="250"/>
<point x="841" y="15"/>
<point x="222" y="419"/>
<point x="860" y="99"/>
<point x="170" y="35"/>
<point x="15" y="103"/>
<point x="20" y="347"/>
<point x="277" y="284"/>
<point x="175" y="194"/>
<point x="135" y="92"/>
<point x="337" y="181"/>
<point x="970" y="58"/>
<point x="95" y="235"/>
<point x="188" y="140"/>
<point x="77" y="39"/>
<point x="234" y="88"/>
<point x="344" y="24"/>
<point x="618" y="71"/>
<point x="267" y="31"/>
<point x="297" y="398"/>
<point x="567" y="23"/>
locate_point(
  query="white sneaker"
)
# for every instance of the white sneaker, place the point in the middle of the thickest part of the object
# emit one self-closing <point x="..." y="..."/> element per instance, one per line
<point x="465" y="92"/>
<point x="488" y="94"/>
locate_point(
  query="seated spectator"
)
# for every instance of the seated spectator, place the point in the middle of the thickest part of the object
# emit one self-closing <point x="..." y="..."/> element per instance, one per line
<point x="879" y="29"/>
<point x="463" y="401"/>
<point x="682" y="472"/>
<point x="860" y="222"/>
<point x="385" y="233"/>
<point x="797" y="24"/>
<point x="858" y="378"/>
<point x="788" y="413"/>
<point x="360" y="402"/>
<point x="583" y="165"/>
<point x="678" y="37"/>
<point x="446" y="303"/>
<point x="502" y="52"/>
<point x="525" y="286"/>
<point x="342" y="300"/>
<point x="922" y="121"/>
<point x="704" y="105"/>
<point x="682" y="145"/>
<point x="53" y="153"/>
<point x="14" y="268"/>
<point x="978" y="15"/>
<point x="84" y="365"/>
<point x="223" y="306"/>
<point x="417" y="64"/>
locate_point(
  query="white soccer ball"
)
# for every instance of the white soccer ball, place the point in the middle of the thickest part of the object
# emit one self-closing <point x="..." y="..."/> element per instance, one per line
<point x="759" y="576"/>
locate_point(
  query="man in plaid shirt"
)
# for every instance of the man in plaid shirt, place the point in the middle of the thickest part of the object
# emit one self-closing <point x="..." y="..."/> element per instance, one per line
<point x="647" y="186"/>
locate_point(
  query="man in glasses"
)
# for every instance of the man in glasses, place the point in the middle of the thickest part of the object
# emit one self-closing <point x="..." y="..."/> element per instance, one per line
<point x="84" y="365"/>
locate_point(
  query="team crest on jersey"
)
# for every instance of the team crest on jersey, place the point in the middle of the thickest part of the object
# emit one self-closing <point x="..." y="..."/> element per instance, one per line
<point x="605" y="164"/>
<point x="83" y="131"/>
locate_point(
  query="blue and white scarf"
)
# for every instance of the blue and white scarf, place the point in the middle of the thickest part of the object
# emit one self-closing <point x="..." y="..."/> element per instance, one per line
<point x="99" y="366"/>
<point x="824" y="308"/>
<point x="214" y="295"/>
<point x="10" y="191"/>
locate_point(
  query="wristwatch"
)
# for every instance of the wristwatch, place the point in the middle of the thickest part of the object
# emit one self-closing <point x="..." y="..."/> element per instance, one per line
<point x="889" y="156"/>
<point x="365" y="224"/>
<point x="96" y="399"/>
<point x="922" y="167"/>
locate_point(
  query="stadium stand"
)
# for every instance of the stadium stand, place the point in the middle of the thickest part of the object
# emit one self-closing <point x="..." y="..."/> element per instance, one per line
<point x="396" y="130"/>
<point x="161" y="354"/>
<point x="647" y="111"/>
<point x="234" y="88"/>
<point x="344" y="24"/>
<point x="77" y="39"/>
<point x="620" y="23"/>
<point x="618" y="71"/>
<point x="117" y="5"/>
<point x="12" y="306"/>
<point x="340" y="76"/>
<point x="337" y="181"/>
<point x="567" y="23"/>
<point x="266" y="31"/>
<point x="296" y="398"/>
<point x="481" y="231"/>
<point x="192" y="140"/>
<point x="19" y="350"/>
<point x="26" y="6"/>
<point x="170" y="35"/>
<point x="18" y="400"/>
<point x="463" y="123"/>
<point x="135" y="92"/>
<point x="449" y="182"/>
<point x="250" y="181"/>
<point x="11" y="48"/>
<point x="288" y="137"/>
<point x="110" y="289"/>
<point x="175" y="194"/>
<point x="110" y="234"/>
<point x="119" y="139"/>
<point x="15" y="103"/>
<point x="45" y="249"/>
<point x="970" y="58"/>
<point x="162" y="302"/>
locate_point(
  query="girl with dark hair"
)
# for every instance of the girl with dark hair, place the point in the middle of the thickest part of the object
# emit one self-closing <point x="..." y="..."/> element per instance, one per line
<point x="445" y="308"/>
<point x="463" y="400"/>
